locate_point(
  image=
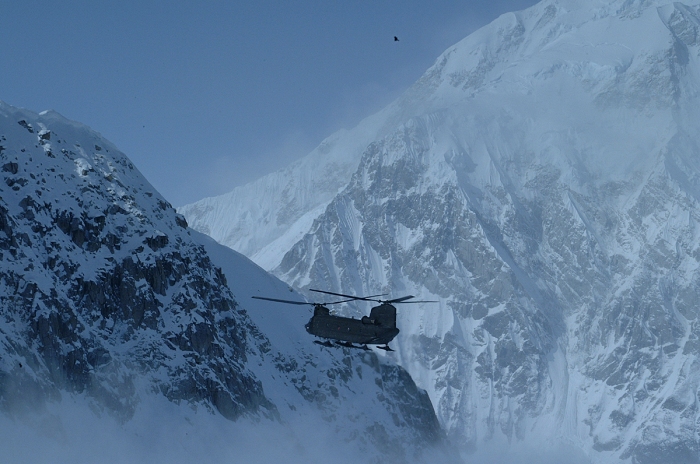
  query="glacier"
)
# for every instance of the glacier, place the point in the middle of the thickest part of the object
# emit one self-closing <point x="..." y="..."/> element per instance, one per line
<point x="126" y="336"/>
<point x="541" y="181"/>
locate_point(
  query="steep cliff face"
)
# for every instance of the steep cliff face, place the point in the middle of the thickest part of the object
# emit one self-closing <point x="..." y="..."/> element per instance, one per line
<point x="102" y="282"/>
<point x="108" y="298"/>
<point x="547" y="194"/>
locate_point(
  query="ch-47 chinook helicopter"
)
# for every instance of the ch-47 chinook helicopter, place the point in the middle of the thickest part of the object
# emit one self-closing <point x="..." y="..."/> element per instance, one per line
<point x="379" y="328"/>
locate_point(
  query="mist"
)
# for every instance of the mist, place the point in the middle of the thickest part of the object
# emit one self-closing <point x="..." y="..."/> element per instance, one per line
<point x="518" y="452"/>
<point x="77" y="429"/>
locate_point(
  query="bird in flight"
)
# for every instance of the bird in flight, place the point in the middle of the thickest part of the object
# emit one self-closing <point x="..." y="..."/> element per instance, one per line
<point x="396" y="39"/>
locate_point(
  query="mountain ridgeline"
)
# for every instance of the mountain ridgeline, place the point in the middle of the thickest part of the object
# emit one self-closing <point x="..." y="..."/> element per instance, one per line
<point x="542" y="180"/>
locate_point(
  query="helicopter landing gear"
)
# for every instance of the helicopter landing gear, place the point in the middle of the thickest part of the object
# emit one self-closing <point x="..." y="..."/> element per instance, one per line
<point x="350" y="345"/>
<point x="325" y="343"/>
<point x="346" y="344"/>
<point x="385" y="348"/>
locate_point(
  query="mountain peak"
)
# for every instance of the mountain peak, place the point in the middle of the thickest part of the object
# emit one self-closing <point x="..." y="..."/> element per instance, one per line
<point x="541" y="182"/>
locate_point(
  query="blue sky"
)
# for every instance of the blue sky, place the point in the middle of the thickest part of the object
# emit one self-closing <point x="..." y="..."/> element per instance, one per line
<point x="204" y="96"/>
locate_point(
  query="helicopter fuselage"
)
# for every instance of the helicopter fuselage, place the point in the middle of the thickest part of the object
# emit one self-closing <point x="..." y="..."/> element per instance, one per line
<point x="376" y="329"/>
<point x="379" y="328"/>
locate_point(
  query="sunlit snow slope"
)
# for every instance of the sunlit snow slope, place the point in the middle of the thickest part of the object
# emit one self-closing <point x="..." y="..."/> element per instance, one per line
<point x="115" y="316"/>
<point x="546" y="190"/>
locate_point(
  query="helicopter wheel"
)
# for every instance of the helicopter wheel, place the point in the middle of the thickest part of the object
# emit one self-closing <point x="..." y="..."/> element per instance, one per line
<point x="346" y="344"/>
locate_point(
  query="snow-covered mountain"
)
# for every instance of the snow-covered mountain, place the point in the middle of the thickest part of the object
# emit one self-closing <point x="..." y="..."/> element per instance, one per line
<point x="263" y="213"/>
<point x="541" y="181"/>
<point x="113" y="313"/>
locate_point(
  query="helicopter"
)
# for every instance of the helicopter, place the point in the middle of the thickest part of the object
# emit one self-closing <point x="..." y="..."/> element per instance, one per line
<point x="379" y="328"/>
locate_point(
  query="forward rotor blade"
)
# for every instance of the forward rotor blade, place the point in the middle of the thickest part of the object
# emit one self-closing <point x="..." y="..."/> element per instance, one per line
<point x="282" y="301"/>
<point x="364" y="298"/>
<point x="298" y="302"/>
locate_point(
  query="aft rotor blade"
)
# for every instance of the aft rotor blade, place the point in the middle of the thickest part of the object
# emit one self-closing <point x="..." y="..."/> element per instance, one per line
<point x="400" y="300"/>
<point x="282" y="301"/>
<point x="336" y="302"/>
<point x="418" y="301"/>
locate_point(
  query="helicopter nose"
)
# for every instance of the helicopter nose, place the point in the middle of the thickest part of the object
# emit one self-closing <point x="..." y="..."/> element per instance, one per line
<point x="308" y="328"/>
